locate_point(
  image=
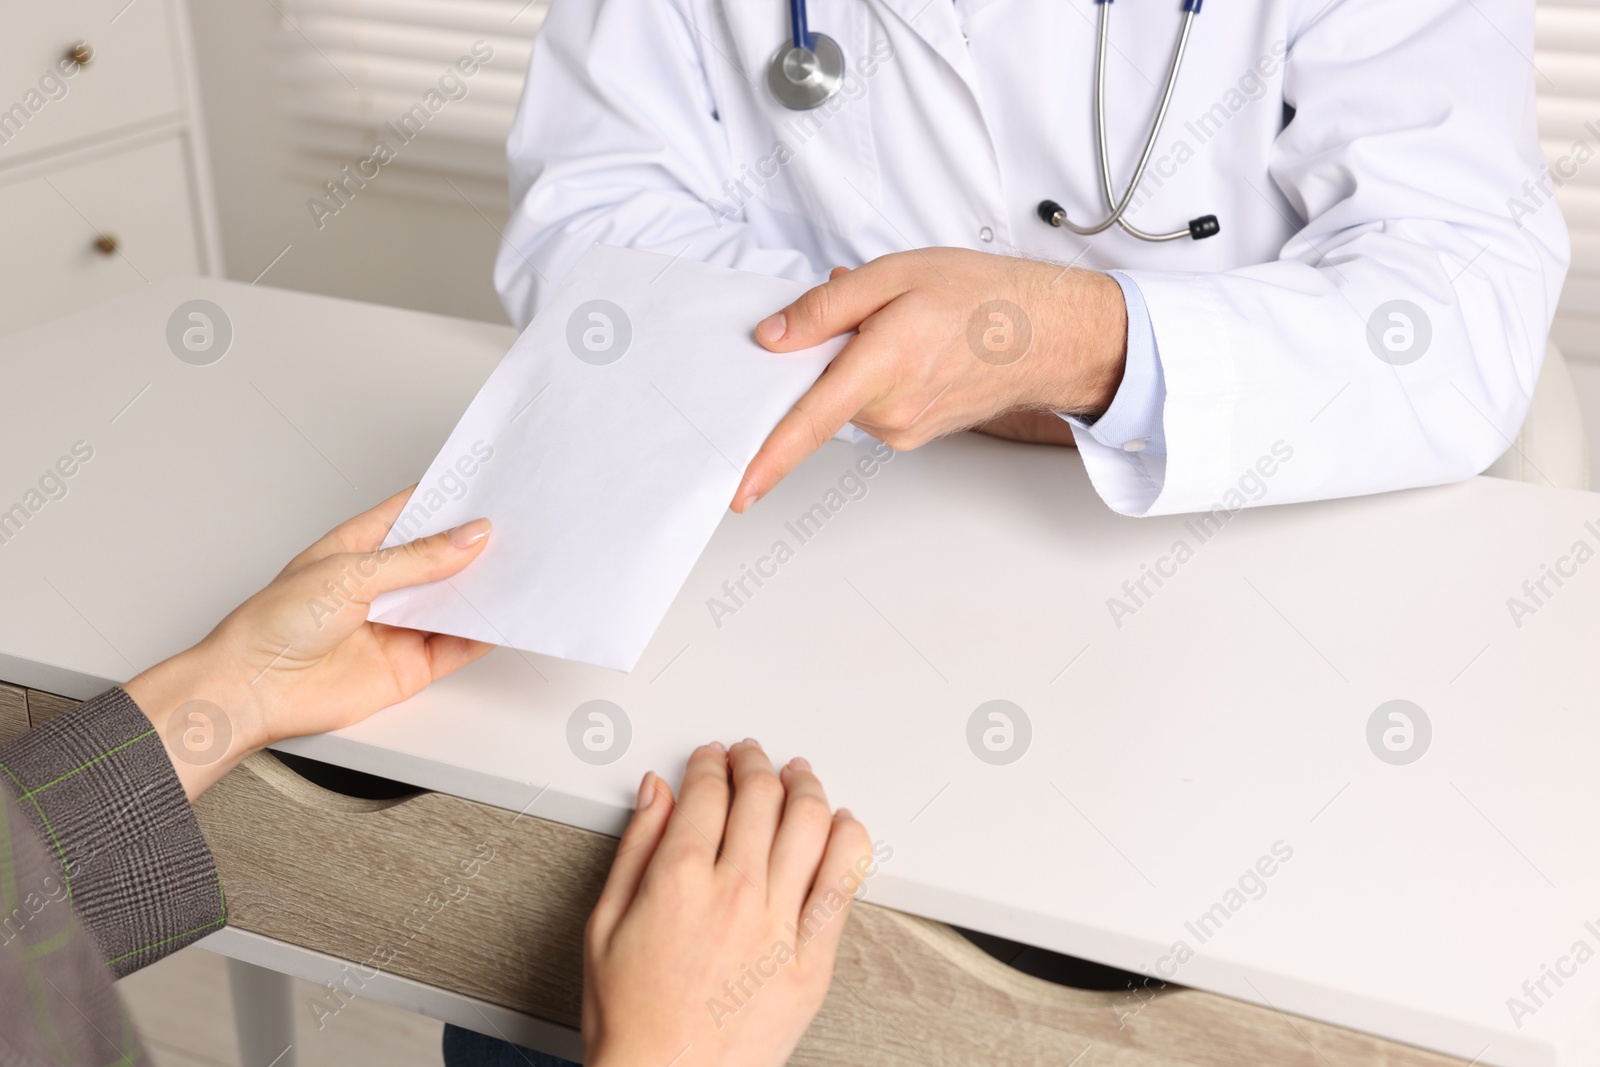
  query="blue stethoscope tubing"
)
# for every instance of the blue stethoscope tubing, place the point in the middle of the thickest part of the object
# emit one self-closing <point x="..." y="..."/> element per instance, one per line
<point x="808" y="69"/>
<point x="799" y="34"/>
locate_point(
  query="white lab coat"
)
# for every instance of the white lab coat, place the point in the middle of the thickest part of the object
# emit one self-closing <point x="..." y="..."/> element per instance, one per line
<point x="648" y="123"/>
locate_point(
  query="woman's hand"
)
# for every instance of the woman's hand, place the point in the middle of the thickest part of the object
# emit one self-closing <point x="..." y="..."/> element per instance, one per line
<point x="713" y="942"/>
<point x="947" y="339"/>
<point x="300" y="657"/>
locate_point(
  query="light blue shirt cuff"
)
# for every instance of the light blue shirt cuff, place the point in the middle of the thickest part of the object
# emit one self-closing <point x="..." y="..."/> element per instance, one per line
<point x="1135" y="414"/>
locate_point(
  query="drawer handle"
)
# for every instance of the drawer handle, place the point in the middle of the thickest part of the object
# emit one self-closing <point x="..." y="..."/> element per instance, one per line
<point x="888" y="927"/>
<point x="81" y="53"/>
<point x="1059" y="969"/>
<point x="295" y="787"/>
<point x="106" y="244"/>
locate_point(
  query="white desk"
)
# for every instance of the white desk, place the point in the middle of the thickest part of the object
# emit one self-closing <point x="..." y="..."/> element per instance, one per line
<point x="1229" y="713"/>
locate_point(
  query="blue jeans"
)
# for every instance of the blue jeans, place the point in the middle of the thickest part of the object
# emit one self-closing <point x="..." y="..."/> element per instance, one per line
<point x="467" y="1048"/>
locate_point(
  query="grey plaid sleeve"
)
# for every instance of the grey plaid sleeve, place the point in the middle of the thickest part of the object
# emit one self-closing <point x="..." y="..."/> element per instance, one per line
<point x="57" y="1005"/>
<point x="100" y="792"/>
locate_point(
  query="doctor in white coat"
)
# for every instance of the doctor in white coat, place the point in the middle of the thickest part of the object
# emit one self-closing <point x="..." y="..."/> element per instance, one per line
<point x="1372" y="314"/>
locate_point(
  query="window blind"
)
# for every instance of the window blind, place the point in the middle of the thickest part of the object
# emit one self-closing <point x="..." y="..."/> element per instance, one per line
<point x="410" y="76"/>
<point x="1566" y="64"/>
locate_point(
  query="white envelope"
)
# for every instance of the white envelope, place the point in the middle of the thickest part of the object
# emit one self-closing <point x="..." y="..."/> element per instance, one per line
<point x="605" y="448"/>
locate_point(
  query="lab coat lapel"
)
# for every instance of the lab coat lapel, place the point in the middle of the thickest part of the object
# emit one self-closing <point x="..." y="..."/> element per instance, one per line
<point x="935" y="22"/>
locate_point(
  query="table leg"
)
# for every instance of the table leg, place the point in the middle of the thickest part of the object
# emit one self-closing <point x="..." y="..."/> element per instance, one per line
<point x="262" y="1016"/>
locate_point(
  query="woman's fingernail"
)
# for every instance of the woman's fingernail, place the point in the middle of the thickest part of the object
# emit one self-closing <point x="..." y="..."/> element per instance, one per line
<point x="772" y="328"/>
<point x="718" y="746"/>
<point x="844" y="813"/>
<point x="647" y="790"/>
<point x="469" y="533"/>
<point x="800" y="763"/>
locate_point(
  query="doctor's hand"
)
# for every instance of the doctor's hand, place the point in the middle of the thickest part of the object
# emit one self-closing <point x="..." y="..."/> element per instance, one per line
<point x="299" y="657"/>
<point x="947" y="339"/>
<point x="714" y="940"/>
<point x="1029" y="427"/>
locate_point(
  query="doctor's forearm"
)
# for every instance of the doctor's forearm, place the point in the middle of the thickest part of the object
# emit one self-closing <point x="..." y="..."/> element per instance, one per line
<point x="1082" y="334"/>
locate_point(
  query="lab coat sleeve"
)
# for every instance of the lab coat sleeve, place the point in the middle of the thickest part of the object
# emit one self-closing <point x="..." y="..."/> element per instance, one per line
<point x="1397" y="339"/>
<point x="617" y="140"/>
<point x="1135" y="411"/>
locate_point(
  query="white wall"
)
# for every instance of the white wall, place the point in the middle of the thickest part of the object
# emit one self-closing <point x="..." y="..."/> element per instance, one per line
<point x="382" y="247"/>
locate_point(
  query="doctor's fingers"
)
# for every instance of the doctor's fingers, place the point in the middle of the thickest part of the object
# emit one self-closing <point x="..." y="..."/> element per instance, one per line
<point x="694" y="834"/>
<point x="838" y="305"/>
<point x="359" y="533"/>
<point x="845" y="387"/>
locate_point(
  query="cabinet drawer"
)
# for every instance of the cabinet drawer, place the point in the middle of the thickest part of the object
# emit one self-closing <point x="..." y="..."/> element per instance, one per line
<point x="132" y="74"/>
<point x="13" y="711"/>
<point x="452" y="893"/>
<point x="140" y="197"/>
<point x="491" y="904"/>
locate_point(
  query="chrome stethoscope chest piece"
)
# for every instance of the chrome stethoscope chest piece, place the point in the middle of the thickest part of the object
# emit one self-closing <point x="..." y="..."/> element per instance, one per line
<point x="804" y="78"/>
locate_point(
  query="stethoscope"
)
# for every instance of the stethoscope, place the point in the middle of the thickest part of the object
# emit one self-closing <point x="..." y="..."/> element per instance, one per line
<point x="808" y="69"/>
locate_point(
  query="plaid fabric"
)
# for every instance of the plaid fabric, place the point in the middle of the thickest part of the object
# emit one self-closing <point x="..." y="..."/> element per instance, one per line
<point x="102" y="870"/>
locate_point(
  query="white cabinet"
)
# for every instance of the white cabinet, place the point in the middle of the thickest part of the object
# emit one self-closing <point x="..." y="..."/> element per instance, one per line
<point x="136" y="200"/>
<point x="103" y="179"/>
<point x="47" y="100"/>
